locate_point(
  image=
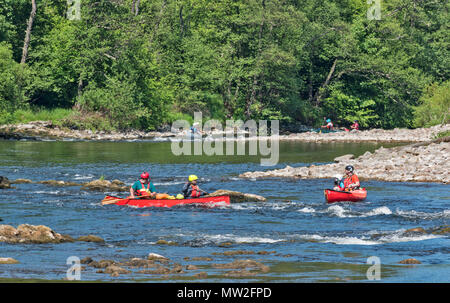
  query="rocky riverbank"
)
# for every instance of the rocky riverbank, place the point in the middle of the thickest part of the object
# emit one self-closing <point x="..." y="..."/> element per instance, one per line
<point x="46" y="130"/>
<point x="422" y="162"/>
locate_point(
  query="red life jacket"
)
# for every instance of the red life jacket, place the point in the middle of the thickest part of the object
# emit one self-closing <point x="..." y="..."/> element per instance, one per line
<point x="353" y="179"/>
<point x="144" y="191"/>
<point x="195" y="192"/>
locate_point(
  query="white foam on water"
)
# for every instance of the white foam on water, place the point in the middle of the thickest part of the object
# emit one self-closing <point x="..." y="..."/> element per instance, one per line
<point x="339" y="240"/>
<point x="339" y="211"/>
<point x="412" y="214"/>
<point x="54" y="192"/>
<point x="383" y="210"/>
<point x="240" y="239"/>
<point x="393" y="237"/>
<point x="307" y="210"/>
<point x="81" y="177"/>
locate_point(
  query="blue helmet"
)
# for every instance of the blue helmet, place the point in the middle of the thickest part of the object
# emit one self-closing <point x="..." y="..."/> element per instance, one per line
<point x="328" y="120"/>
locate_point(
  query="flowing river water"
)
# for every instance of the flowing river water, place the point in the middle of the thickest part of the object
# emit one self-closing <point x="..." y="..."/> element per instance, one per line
<point x="305" y="239"/>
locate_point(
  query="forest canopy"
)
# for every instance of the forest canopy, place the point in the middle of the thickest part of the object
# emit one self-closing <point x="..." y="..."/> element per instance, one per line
<point x="144" y="63"/>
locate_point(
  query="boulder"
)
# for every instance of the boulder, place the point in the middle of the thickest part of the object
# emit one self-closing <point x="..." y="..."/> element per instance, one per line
<point x="105" y="185"/>
<point x="31" y="234"/>
<point x="236" y="196"/>
<point x="344" y="158"/>
<point x="8" y="261"/>
<point x="4" y="182"/>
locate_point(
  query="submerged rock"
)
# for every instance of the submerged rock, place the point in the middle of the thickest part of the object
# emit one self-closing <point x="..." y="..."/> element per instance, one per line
<point x="236" y="196"/>
<point x="21" y="181"/>
<point x="410" y="261"/>
<point x="90" y="238"/>
<point x="243" y="264"/>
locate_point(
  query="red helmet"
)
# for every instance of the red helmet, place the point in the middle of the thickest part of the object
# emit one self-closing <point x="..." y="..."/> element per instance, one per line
<point x="145" y="175"/>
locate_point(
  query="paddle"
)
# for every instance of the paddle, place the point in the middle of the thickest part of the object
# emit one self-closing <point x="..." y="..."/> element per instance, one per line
<point x="112" y="201"/>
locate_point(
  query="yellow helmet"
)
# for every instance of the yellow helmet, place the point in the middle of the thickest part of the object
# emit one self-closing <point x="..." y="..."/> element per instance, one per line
<point x="180" y="196"/>
<point x="192" y="178"/>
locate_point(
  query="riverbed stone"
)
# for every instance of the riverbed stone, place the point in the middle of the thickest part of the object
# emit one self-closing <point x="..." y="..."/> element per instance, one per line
<point x="4" y="182"/>
<point x="26" y="233"/>
<point x="397" y="164"/>
<point x="8" y="261"/>
<point x="90" y="238"/>
<point x="410" y="261"/>
<point x="237" y="197"/>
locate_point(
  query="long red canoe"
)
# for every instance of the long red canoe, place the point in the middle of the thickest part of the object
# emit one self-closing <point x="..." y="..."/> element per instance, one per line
<point x="332" y="196"/>
<point x="207" y="201"/>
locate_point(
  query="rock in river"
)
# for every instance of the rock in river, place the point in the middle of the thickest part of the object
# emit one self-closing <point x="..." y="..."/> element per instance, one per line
<point x="25" y="233"/>
<point x="237" y="196"/>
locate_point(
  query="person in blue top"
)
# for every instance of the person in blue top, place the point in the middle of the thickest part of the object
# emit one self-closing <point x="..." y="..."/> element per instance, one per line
<point x="143" y="187"/>
<point x="329" y="125"/>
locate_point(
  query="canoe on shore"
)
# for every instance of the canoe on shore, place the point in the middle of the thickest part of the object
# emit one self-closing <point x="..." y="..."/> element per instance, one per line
<point x="141" y="202"/>
<point x="332" y="196"/>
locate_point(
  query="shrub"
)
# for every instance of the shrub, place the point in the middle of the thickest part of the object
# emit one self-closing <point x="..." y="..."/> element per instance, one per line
<point x="434" y="106"/>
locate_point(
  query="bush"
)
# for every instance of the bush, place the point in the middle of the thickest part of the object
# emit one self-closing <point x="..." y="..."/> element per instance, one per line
<point x="434" y="106"/>
<point x="12" y="77"/>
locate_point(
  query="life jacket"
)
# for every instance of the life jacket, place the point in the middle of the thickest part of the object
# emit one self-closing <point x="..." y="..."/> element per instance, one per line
<point x="195" y="192"/>
<point x="330" y="125"/>
<point x="350" y="180"/>
<point x="144" y="191"/>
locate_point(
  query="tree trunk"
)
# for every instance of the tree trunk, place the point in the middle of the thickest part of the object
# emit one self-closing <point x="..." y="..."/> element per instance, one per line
<point x="28" y="32"/>
<point x="135" y="7"/>
<point x="251" y="100"/>
<point x="327" y="81"/>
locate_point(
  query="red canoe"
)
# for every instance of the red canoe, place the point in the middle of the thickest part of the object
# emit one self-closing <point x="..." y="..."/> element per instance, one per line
<point x="208" y="201"/>
<point x="332" y="196"/>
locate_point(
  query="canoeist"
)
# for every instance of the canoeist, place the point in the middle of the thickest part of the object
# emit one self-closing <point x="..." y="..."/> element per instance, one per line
<point x="338" y="183"/>
<point x="191" y="189"/>
<point x="351" y="180"/>
<point x="143" y="187"/>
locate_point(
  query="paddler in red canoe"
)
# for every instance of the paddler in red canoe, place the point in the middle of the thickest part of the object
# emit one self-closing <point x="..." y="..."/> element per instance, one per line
<point x="351" y="180"/>
<point x="191" y="189"/>
<point x="143" y="187"/>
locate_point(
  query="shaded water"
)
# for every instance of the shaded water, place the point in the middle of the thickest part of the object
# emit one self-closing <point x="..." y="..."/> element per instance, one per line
<point x="308" y="240"/>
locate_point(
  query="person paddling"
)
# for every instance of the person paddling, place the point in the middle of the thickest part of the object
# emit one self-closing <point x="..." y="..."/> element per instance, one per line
<point x="191" y="189"/>
<point x="143" y="187"/>
<point x="351" y="181"/>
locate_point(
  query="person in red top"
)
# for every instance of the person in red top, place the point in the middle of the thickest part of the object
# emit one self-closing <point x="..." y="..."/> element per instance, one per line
<point x="351" y="180"/>
<point x="355" y="125"/>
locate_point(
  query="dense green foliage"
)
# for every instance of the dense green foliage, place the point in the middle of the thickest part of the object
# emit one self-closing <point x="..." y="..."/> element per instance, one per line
<point x="143" y="63"/>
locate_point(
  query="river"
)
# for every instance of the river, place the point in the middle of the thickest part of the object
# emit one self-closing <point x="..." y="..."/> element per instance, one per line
<point x="305" y="239"/>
